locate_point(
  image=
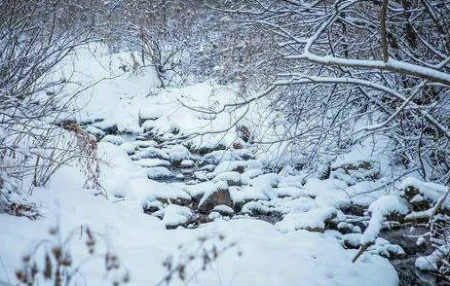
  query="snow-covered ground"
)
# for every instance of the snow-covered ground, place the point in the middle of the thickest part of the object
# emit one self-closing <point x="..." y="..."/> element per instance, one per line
<point x="147" y="164"/>
<point x="268" y="257"/>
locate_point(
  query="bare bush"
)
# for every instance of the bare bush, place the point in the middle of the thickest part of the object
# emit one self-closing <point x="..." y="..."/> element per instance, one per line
<point x="194" y="259"/>
<point x="186" y="40"/>
<point x="52" y="260"/>
<point x="158" y="30"/>
<point x="56" y="260"/>
<point x="35" y="36"/>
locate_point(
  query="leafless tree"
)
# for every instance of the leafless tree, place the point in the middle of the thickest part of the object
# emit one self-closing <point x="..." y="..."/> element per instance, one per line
<point x="350" y="70"/>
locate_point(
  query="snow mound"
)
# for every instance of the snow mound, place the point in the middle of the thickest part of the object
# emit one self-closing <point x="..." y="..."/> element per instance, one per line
<point x="313" y="220"/>
<point x="175" y="215"/>
<point x="384" y="206"/>
<point x="328" y="193"/>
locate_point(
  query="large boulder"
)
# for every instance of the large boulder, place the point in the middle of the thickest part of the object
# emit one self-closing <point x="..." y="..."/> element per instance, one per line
<point x="219" y="196"/>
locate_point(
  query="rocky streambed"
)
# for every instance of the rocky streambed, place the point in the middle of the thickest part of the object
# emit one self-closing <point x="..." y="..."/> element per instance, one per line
<point x="213" y="181"/>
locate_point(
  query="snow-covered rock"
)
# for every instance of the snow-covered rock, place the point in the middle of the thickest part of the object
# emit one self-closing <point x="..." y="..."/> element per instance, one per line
<point x="114" y="139"/>
<point x="232" y="178"/>
<point x="313" y="220"/>
<point x="150" y="153"/>
<point x="224" y="210"/>
<point x="175" y="215"/>
<point x="379" y="210"/>
<point x="241" y="195"/>
<point x="150" y="163"/>
<point x="178" y="153"/>
<point x="160" y="173"/>
<point x="429" y="192"/>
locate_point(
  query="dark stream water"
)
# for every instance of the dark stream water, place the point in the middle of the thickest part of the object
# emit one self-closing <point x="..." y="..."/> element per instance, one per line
<point x="407" y="272"/>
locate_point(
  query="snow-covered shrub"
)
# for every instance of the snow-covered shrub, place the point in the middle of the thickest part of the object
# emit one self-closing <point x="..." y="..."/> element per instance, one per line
<point x="35" y="36"/>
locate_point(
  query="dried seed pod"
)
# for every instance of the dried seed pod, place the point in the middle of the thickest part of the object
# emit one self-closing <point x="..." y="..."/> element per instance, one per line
<point x="57" y="252"/>
<point x="47" y="268"/>
<point x="126" y="277"/>
<point x="215" y="252"/>
<point x="34" y="270"/>
<point x="53" y="230"/>
<point x="58" y="278"/>
<point x="20" y="276"/>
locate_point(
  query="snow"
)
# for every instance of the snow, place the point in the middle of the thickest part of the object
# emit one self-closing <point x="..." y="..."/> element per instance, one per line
<point x="310" y="220"/>
<point x="187" y="164"/>
<point x="426" y="263"/>
<point x="242" y="195"/>
<point x="429" y="262"/>
<point x="257" y="207"/>
<point x="149" y="163"/>
<point x="133" y="108"/>
<point x="390" y="204"/>
<point x="178" y="153"/>
<point x="302" y="204"/>
<point x="218" y="156"/>
<point x="232" y="178"/>
<point x="205" y="189"/>
<point x="158" y="173"/>
<point x="161" y="126"/>
<point x="270" y="179"/>
<point x="223" y="209"/>
<point x="288" y="192"/>
<point x="150" y="114"/>
<point x="214" y="215"/>
<point x="151" y="152"/>
<point x="385" y="205"/>
<point x="175" y="215"/>
<point x="95" y="131"/>
<point x="293" y="251"/>
<point x="136" y="237"/>
<point x="226" y="166"/>
<point x="362" y="193"/>
<point x="116" y="140"/>
<point x="116" y="169"/>
<point x="144" y="143"/>
<point x="328" y="193"/>
<point x="252" y="173"/>
<point x="429" y="191"/>
<point x="385" y="248"/>
<point x="391" y="65"/>
<point x="292" y="180"/>
<point x="352" y="239"/>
